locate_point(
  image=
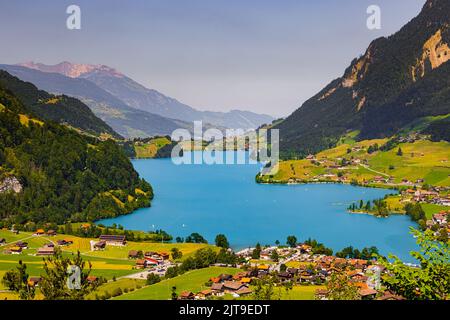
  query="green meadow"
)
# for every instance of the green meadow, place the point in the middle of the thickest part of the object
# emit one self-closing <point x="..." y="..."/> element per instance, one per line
<point x="190" y="281"/>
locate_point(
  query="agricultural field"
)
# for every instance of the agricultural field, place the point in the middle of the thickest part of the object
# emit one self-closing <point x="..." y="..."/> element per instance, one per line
<point x="422" y="159"/>
<point x="111" y="263"/>
<point x="190" y="281"/>
<point x="150" y="148"/>
<point x="298" y="292"/>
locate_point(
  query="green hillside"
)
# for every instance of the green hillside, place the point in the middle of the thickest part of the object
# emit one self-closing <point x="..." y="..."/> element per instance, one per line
<point x="398" y="80"/>
<point x="361" y="162"/>
<point x="60" y="109"/>
<point x="63" y="175"/>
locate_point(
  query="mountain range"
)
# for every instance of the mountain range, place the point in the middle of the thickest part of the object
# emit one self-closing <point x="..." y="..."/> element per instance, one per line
<point x="399" y="79"/>
<point x="130" y="108"/>
<point x="60" y="109"/>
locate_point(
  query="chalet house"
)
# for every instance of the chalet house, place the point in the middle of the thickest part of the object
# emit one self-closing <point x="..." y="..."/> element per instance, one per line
<point x="285" y="276"/>
<point x="34" y="281"/>
<point x="246" y="280"/>
<point x="443" y="202"/>
<point x="2" y="241"/>
<point x="321" y="294"/>
<point x="51" y="233"/>
<point x="215" y="280"/>
<point x="368" y="294"/>
<point x="292" y="271"/>
<point x="46" y="251"/>
<point x="49" y="245"/>
<point x="203" y="295"/>
<point x="379" y="179"/>
<point x="263" y="267"/>
<point x="244" y="291"/>
<point x="91" y="279"/>
<point x="187" y="295"/>
<point x="64" y="242"/>
<point x="22" y="244"/>
<point x="150" y="254"/>
<point x="141" y="264"/>
<point x="15" y="250"/>
<point x="101" y="245"/>
<point x="358" y="277"/>
<point x="262" y="273"/>
<point x="114" y="240"/>
<point x="133" y="254"/>
<point x="238" y="276"/>
<point x="225" y="277"/>
<point x="440" y="218"/>
<point x="304" y="248"/>
<point x="151" y="262"/>
<point x="217" y="289"/>
<point x="39" y="232"/>
<point x="164" y="255"/>
<point x="233" y="286"/>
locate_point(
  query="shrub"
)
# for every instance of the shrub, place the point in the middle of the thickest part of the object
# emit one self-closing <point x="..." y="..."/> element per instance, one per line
<point x="117" y="292"/>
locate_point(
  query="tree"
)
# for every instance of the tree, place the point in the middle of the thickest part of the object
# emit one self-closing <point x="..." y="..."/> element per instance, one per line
<point x="17" y="281"/>
<point x="179" y="240"/>
<point x="174" y="295"/>
<point x="415" y="211"/>
<point x="291" y="241"/>
<point x="227" y="257"/>
<point x="399" y="152"/>
<point x="57" y="277"/>
<point x="277" y="243"/>
<point x="430" y="281"/>
<point x="256" y="254"/>
<point x="339" y="287"/>
<point x="195" y="238"/>
<point x="264" y="289"/>
<point x="222" y="241"/>
<point x="176" y="253"/>
<point x="152" y="279"/>
<point x="274" y="256"/>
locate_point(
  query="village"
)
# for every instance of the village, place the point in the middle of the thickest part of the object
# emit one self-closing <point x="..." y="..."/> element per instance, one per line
<point x="296" y="265"/>
<point x="306" y="269"/>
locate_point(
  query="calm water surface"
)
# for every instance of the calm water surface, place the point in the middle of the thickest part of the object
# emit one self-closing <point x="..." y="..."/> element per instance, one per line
<point x="213" y="199"/>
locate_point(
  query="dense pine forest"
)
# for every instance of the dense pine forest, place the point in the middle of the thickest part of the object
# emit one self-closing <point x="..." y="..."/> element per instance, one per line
<point x="64" y="175"/>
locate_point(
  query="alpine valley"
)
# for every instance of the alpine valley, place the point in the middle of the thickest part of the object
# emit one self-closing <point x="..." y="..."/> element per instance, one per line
<point x="357" y="210"/>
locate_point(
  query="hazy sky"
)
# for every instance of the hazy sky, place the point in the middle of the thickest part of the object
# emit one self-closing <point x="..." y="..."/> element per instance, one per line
<point x="259" y="55"/>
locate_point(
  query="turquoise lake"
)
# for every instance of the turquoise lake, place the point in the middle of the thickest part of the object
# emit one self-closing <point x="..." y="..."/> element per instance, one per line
<point x="213" y="199"/>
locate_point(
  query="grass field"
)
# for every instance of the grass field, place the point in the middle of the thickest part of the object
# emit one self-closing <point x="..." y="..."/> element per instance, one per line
<point x="190" y="281"/>
<point x="280" y="293"/>
<point x="122" y="252"/>
<point x="129" y="284"/>
<point x="149" y="149"/>
<point x="110" y="263"/>
<point x="420" y="160"/>
<point x="431" y="209"/>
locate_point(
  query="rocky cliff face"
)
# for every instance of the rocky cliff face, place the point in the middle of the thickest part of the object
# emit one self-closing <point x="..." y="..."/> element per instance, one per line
<point x="397" y="80"/>
<point x="10" y="184"/>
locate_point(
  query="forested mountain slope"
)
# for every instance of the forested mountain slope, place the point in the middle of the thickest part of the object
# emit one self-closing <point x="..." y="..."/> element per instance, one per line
<point x="63" y="175"/>
<point x="61" y="109"/>
<point x="399" y="79"/>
